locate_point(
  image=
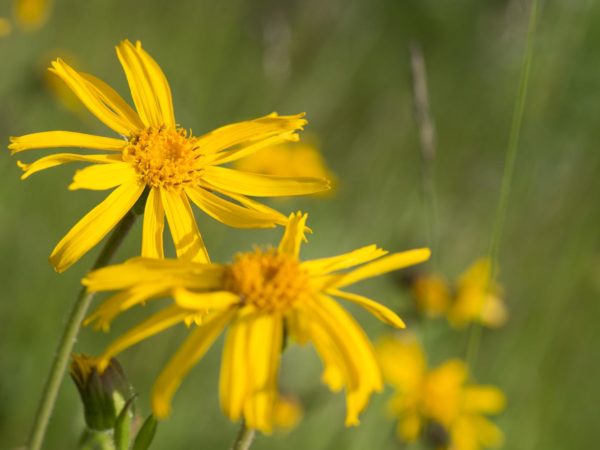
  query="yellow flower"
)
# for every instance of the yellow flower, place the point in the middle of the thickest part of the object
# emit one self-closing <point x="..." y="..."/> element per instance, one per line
<point x="478" y="298"/>
<point x="441" y="396"/>
<point x="31" y="14"/>
<point x="164" y="161"/>
<point x="297" y="159"/>
<point x="257" y="295"/>
<point x="473" y="298"/>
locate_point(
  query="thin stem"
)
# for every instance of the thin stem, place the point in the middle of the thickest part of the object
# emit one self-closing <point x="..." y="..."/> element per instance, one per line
<point x="67" y="340"/>
<point x="507" y="177"/>
<point x="244" y="438"/>
<point x="427" y="141"/>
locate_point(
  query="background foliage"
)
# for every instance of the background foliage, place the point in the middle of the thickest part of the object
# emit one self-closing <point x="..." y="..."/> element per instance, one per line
<point x="346" y="64"/>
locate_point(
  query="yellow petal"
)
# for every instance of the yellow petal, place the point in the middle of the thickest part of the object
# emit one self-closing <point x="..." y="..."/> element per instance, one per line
<point x="257" y="185"/>
<point x="194" y="347"/>
<point x="488" y="434"/>
<point x="95" y="225"/>
<point x="344" y="261"/>
<point x="156" y="323"/>
<point x="402" y="362"/>
<point x="62" y="139"/>
<point x="124" y="300"/>
<point x="233" y="381"/>
<point x="389" y="263"/>
<point x="484" y="399"/>
<point x="409" y="427"/>
<point x="61" y="158"/>
<point x="293" y="235"/>
<point x="100" y="177"/>
<point x="249" y="131"/>
<point x="265" y="332"/>
<point x="248" y="149"/>
<point x="230" y="213"/>
<point x="216" y="300"/>
<point x="278" y="218"/>
<point x="171" y="272"/>
<point x="149" y="87"/>
<point x="94" y="98"/>
<point x="185" y="233"/>
<point x="383" y="313"/>
<point x="153" y="227"/>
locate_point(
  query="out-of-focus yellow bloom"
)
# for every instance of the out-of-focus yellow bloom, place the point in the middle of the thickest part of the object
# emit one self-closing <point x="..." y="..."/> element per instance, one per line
<point x="5" y="27"/>
<point x="31" y="14"/>
<point x="287" y="413"/>
<point x="441" y="396"/>
<point x="294" y="159"/>
<point x="157" y="161"/>
<point x="474" y="298"/>
<point x="255" y="296"/>
<point x="478" y="298"/>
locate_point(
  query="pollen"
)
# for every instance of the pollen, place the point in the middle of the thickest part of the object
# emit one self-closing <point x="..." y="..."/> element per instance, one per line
<point x="269" y="280"/>
<point x="164" y="157"/>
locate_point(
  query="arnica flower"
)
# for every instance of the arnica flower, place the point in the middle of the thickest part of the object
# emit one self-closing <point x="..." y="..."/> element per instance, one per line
<point x="475" y="297"/>
<point x="292" y="159"/>
<point x="257" y="296"/>
<point x="427" y="399"/>
<point x="158" y="158"/>
<point x="31" y="14"/>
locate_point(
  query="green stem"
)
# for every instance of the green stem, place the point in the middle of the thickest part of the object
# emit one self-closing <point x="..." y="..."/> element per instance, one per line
<point x="507" y="177"/>
<point x="244" y="438"/>
<point x="69" y="335"/>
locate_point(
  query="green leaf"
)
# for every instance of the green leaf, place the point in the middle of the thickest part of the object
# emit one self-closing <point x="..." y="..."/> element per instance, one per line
<point x="146" y="435"/>
<point x="122" y="429"/>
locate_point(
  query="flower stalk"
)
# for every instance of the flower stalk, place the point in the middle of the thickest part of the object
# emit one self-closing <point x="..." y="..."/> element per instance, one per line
<point x="70" y="332"/>
<point x="244" y="438"/>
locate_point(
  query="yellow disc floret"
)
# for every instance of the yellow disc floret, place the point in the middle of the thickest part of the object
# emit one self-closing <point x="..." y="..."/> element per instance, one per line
<point x="269" y="280"/>
<point x="164" y="157"/>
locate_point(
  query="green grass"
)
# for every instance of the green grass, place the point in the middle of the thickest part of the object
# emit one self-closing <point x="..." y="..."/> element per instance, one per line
<point x="348" y="69"/>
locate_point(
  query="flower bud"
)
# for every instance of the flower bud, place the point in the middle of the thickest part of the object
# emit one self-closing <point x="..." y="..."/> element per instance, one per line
<point x="103" y="394"/>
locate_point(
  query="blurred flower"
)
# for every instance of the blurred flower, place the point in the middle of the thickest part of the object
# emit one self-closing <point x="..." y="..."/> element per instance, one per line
<point x="474" y="298"/>
<point x="103" y="394"/>
<point x="31" y="15"/>
<point x="287" y="413"/>
<point x="294" y="159"/>
<point x="438" y="404"/>
<point x="256" y="295"/>
<point x="5" y="27"/>
<point x="163" y="161"/>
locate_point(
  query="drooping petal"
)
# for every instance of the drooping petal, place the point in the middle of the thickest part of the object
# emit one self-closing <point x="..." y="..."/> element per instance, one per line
<point x="62" y="158"/>
<point x="383" y="313"/>
<point x="194" y="347"/>
<point x="383" y="265"/>
<point x="63" y="139"/>
<point x="257" y="185"/>
<point x="186" y="236"/>
<point x="149" y="87"/>
<point x="95" y="225"/>
<point x="100" y="177"/>
<point x="293" y="235"/>
<point x="265" y="333"/>
<point x="230" y="213"/>
<point x="156" y="323"/>
<point x="153" y="227"/>
<point x="173" y="272"/>
<point x="233" y="381"/>
<point x="215" y="300"/>
<point x="249" y="131"/>
<point x="354" y="258"/>
<point x="94" y="98"/>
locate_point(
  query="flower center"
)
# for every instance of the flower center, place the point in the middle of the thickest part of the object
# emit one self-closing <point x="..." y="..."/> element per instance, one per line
<point x="164" y="157"/>
<point x="269" y="280"/>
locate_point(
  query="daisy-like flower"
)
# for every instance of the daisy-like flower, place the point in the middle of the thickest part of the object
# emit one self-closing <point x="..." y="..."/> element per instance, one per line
<point x="158" y="158"/>
<point x="258" y="295"/>
<point x="427" y="399"/>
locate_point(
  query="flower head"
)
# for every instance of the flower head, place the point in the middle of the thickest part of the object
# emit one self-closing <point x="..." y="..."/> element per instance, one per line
<point x="256" y="296"/>
<point x="438" y="403"/>
<point x="31" y="14"/>
<point x="158" y="158"/>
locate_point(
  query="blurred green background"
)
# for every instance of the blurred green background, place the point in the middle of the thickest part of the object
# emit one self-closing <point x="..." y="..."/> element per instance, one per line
<point x="346" y="64"/>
